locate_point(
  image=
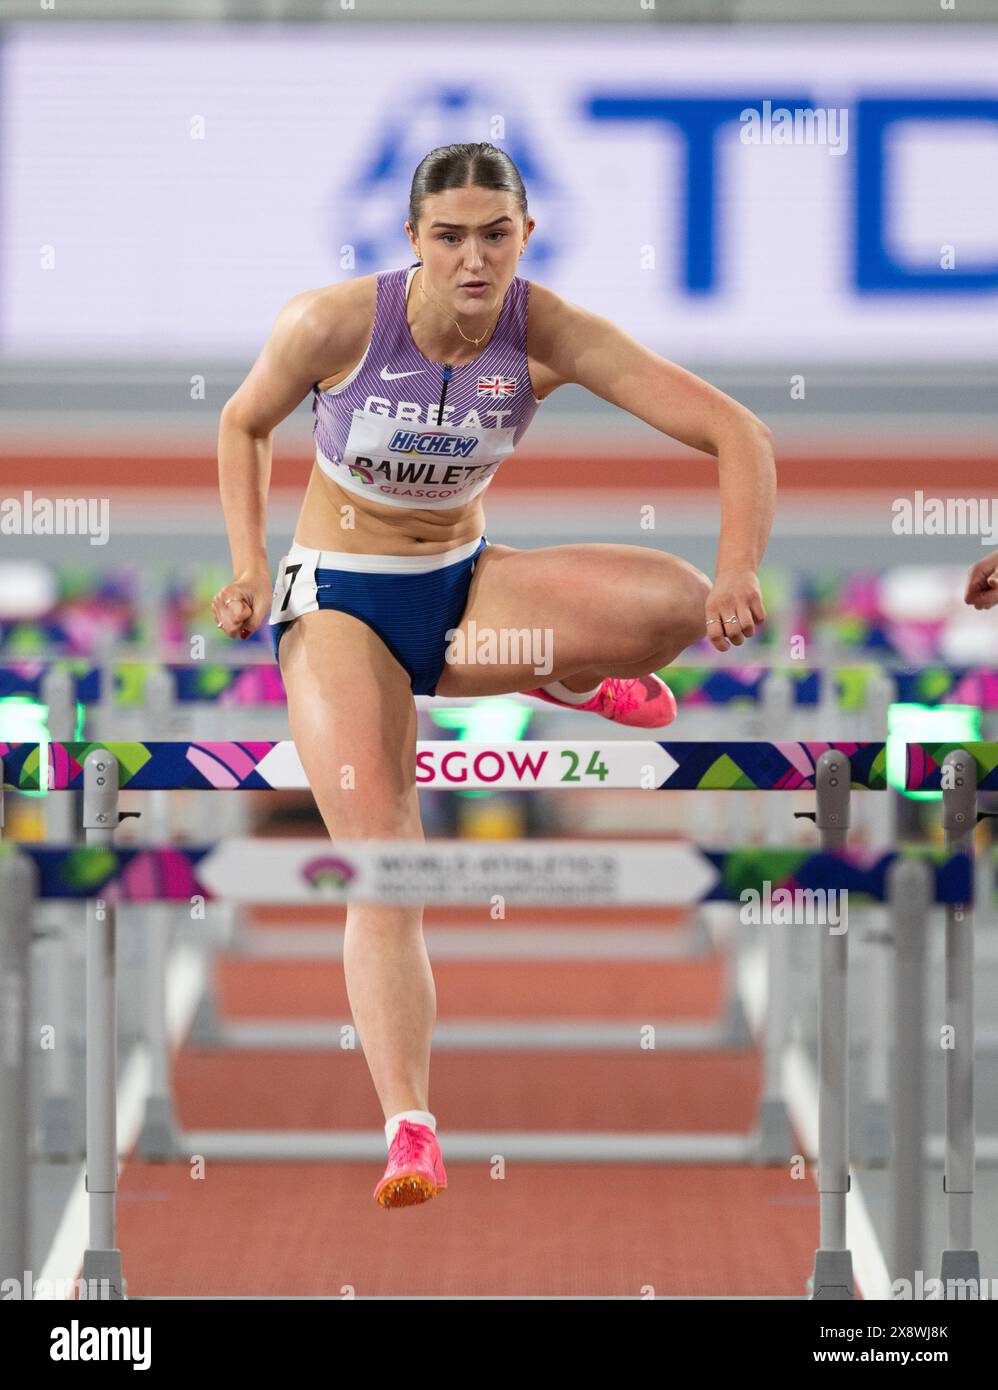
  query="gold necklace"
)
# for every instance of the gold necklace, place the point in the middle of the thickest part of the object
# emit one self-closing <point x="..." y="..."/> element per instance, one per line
<point x="464" y="335"/>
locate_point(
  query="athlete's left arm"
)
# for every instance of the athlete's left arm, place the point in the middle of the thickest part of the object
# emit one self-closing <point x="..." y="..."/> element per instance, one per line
<point x="592" y="351"/>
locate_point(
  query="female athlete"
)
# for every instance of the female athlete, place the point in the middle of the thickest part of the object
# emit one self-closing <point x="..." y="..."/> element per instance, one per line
<point x="423" y="380"/>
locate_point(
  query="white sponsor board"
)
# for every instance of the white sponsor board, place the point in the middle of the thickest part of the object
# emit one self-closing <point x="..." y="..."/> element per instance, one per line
<point x="536" y="871"/>
<point x="780" y="192"/>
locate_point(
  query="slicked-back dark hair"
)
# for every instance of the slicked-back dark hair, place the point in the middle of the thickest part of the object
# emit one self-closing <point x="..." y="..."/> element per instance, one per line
<point x="458" y="166"/>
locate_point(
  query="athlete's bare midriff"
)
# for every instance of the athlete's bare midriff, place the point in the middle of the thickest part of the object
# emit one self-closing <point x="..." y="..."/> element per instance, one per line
<point x="333" y="519"/>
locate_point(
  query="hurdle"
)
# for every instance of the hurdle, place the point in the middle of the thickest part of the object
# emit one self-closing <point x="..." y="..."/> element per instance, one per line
<point x="831" y="770"/>
<point x="490" y="773"/>
<point x="784" y="765"/>
<point x="960" y="771"/>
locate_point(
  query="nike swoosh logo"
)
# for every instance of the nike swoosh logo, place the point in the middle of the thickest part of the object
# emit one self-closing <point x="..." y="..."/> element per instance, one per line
<point x="386" y="375"/>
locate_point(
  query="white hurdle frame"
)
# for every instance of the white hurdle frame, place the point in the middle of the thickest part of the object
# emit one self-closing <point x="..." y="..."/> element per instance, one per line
<point x="102" y="1260"/>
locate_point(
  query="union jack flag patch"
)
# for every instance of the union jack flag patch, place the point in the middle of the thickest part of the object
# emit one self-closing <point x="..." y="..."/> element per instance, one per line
<point x="496" y="386"/>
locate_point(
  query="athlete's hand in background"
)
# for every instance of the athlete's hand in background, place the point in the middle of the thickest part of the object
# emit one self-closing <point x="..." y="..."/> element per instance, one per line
<point x="734" y="606"/>
<point x="982" y="583"/>
<point x="244" y="604"/>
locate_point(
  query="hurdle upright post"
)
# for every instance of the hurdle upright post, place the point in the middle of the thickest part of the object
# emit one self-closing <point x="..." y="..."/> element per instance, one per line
<point x="833" y="1277"/>
<point x="775" y="1130"/>
<point x="17" y="891"/>
<point x="158" y="1123"/>
<point x="909" y="895"/>
<point x="60" y="1122"/>
<point x="874" y="1140"/>
<point x="101" y="1259"/>
<point x="960" y="1261"/>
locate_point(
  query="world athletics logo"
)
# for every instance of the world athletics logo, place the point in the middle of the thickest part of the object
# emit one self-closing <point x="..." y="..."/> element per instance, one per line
<point x="328" y="873"/>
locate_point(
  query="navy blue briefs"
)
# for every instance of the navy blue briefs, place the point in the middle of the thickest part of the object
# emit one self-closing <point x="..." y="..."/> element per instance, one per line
<point x="410" y="602"/>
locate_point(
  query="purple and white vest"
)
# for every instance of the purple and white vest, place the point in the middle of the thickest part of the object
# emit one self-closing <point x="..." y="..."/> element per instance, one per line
<point x="377" y="434"/>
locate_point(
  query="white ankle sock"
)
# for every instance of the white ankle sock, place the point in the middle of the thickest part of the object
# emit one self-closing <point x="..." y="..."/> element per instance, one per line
<point x="570" y="697"/>
<point x="416" y="1117"/>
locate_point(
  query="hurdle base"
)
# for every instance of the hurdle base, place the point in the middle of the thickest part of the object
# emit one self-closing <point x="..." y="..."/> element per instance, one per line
<point x="58" y="1131"/>
<point x="775" y="1134"/>
<point x="102" y="1276"/>
<point x="736" y="1031"/>
<point x="875" y="1133"/>
<point x="962" y="1265"/>
<point x="206" y="1026"/>
<point x="158" y="1136"/>
<point x="832" y="1278"/>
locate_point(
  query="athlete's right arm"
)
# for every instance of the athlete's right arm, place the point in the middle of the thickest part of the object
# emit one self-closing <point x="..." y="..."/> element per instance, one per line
<point x="310" y="335"/>
<point x="982" y="583"/>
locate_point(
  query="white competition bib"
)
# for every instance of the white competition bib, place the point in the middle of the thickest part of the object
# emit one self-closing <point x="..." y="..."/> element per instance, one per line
<point x="415" y="465"/>
<point x="294" y="588"/>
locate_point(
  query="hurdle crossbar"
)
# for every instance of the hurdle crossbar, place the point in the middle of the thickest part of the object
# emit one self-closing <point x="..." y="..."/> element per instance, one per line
<point x="925" y="765"/>
<point x="289" y="872"/>
<point x="259" y="684"/>
<point x="609" y="764"/>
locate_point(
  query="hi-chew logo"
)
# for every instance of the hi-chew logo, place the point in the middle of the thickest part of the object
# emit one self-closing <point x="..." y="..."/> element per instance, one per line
<point x="433" y="442"/>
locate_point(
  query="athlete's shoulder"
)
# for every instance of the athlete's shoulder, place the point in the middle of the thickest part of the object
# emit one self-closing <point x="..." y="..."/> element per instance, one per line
<point x="332" y="323"/>
<point x="546" y="304"/>
<point x="550" y="319"/>
<point x="549" y="313"/>
<point x="327" y="302"/>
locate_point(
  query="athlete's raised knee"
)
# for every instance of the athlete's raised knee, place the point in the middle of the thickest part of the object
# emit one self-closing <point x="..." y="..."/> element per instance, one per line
<point x="682" y="616"/>
<point x="696" y="589"/>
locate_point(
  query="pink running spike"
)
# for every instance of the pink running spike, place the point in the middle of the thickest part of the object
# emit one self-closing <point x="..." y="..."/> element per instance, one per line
<point x="645" y="702"/>
<point x="415" y="1170"/>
